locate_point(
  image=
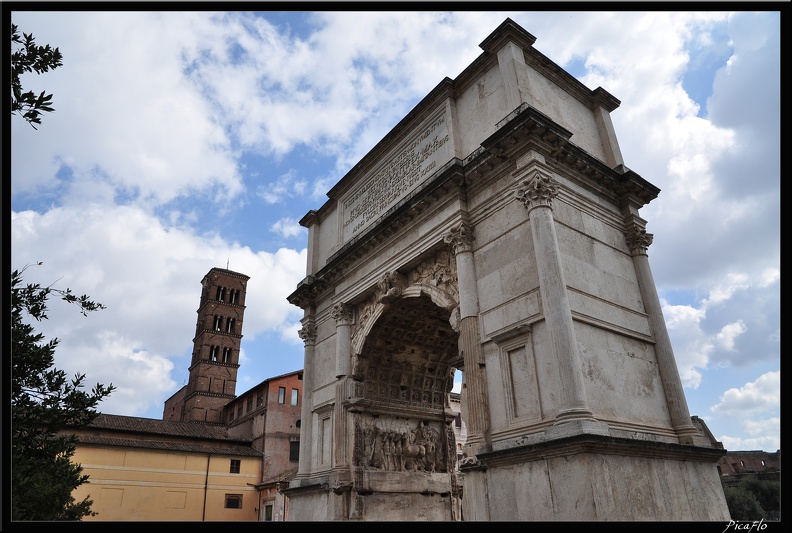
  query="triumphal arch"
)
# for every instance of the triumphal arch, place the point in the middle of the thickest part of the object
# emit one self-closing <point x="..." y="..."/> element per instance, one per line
<point x="495" y="231"/>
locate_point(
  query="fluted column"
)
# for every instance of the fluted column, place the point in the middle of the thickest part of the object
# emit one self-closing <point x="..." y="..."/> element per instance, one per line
<point x="639" y="241"/>
<point x="537" y="190"/>
<point x="308" y="335"/>
<point x="342" y="314"/>
<point x="474" y="395"/>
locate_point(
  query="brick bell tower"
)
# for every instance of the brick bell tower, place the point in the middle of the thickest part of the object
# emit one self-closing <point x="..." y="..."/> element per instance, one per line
<point x="215" y="357"/>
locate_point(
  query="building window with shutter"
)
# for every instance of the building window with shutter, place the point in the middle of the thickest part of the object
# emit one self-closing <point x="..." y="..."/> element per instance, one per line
<point x="294" y="450"/>
<point x="235" y="464"/>
<point x="233" y="501"/>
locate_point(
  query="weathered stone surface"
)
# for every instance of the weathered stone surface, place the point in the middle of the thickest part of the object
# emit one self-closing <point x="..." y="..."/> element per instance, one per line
<point x="494" y="230"/>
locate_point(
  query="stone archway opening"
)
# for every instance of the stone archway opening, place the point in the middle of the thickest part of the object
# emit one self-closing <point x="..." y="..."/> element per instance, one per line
<point x="408" y="354"/>
<point x="405" y="373"/>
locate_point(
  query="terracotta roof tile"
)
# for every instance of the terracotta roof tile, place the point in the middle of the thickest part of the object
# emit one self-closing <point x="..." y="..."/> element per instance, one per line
<point x="154" y="426"/>
<point x="191" y="447"/>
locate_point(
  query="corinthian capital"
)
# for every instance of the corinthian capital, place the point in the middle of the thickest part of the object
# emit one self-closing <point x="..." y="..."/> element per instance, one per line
<point x="308" y="334"/>
<point x="638" y="240"/>
<point x="537" y="190"/>
<point x="342" y="313"/>
<point x="460" y="238"/>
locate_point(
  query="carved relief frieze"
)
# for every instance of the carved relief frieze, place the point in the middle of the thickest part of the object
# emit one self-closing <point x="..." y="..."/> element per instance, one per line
<point x="399" y="445"/>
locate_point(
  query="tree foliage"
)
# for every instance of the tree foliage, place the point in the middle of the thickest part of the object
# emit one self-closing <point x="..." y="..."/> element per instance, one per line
<point x="27" y="56"/>
<point x="753" y="499"/>
<point x="44" y="403"/>
<point x="767" y="493"/>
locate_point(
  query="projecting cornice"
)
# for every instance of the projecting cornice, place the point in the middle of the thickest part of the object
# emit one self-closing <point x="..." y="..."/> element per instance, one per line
<point x="510" y="31"/>
<point x="525" y="128"/>
<point x="595" y="444"/>
<point x="445" y="179"/>
<point x="528" y="128"/>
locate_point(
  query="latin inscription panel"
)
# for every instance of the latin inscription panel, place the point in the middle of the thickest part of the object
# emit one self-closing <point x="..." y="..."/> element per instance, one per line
<point x="400" y="173"/>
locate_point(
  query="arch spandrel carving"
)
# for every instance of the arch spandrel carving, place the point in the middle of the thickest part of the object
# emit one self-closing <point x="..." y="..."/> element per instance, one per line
<point x="435" y="278"/>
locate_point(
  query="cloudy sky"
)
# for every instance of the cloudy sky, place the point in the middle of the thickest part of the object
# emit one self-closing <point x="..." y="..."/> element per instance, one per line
<point x="183" y="141"/>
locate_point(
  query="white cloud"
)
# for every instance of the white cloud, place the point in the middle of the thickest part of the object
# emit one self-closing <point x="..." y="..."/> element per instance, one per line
<point x="290" y="333"/>
<point x="127" y="118"/>
<point x="148" y="278"/>
<point x="287" y="185"/>
<point x="727" y="335"/>
<point x="210" y="107"/>
<point x="761" y="395"/>
<point x="692" y="348"/>
<point x="766" y="443"/>
<point x="724" y="290"/>
<point x="288" y="227"/>
<point x="758" y="427"/>
<point x="105" y="354"/>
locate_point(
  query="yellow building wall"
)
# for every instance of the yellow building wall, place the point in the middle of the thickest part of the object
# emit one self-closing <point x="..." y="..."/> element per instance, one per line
<point x="137" y="484"/>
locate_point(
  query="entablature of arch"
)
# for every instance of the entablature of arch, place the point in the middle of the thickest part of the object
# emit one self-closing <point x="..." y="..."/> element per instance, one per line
<point x="524" y="129"/>
<point x="446" y="181"/>
<point x="527" y="128"/>
<point x="406" y="410"/>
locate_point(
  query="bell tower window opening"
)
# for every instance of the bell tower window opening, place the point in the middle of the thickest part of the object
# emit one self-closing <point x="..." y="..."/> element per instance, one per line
<point x="220" y="294"/>
<point x="230" y="323"/>
<point x="218" y="321"/>
<point x="213" y="352"/>
<point x="233" y="296"/>
<point x="227" y="355"/>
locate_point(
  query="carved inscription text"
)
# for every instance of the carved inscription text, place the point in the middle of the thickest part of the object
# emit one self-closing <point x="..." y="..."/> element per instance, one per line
<point x="413" y="163"/>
